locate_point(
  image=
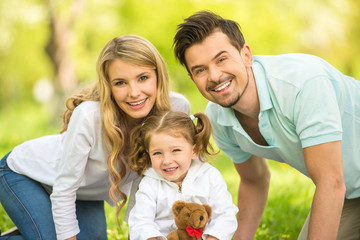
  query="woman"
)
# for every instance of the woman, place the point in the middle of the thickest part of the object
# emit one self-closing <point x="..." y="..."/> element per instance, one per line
<point x="53" y="187"/>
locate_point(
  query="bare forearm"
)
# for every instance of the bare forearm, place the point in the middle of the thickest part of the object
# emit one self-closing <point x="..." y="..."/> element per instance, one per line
<point x="251" y="203"/>
<point x="324" y="165"/>
<point x="326" y="212"/>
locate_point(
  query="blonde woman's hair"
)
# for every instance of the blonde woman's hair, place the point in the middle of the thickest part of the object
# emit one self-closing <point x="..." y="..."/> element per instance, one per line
<point x="174" y="123"/>
<point x="138" y="51"/>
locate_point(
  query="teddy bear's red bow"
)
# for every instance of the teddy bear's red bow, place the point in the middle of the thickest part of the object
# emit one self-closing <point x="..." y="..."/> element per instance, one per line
<point x="191" y="231"/>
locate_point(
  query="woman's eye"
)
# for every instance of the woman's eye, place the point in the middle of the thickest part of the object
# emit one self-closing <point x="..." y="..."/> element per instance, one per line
<point x="120" y="83"/>
<point x="143" y="78"/>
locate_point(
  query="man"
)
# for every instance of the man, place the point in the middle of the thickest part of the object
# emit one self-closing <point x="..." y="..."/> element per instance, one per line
<point x="292" y="108"/>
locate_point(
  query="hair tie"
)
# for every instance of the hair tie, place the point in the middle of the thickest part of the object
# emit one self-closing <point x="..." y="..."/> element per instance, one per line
<point x="192" y="117"/>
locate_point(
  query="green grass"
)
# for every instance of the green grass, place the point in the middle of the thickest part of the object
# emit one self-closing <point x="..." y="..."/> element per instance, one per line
<point x="290" y="193"/>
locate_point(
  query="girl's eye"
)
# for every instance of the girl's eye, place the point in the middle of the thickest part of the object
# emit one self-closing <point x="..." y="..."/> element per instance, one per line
<point x="156" y="153"/>
<point x="177" y="150"/>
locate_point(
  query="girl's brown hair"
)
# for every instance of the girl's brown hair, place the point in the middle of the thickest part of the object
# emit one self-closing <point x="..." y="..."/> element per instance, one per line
<point x="173" y="123"/>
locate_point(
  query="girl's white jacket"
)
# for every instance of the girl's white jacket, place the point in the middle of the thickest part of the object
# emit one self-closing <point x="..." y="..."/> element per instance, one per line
<point x="204" y="184"/>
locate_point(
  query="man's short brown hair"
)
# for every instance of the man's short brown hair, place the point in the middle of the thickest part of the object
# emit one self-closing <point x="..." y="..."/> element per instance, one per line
<point x="199" y="26"/>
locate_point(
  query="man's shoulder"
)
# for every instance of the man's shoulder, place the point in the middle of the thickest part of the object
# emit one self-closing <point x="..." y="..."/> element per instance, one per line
<point x="211" y="106"/>
<point x="305" y="65"/>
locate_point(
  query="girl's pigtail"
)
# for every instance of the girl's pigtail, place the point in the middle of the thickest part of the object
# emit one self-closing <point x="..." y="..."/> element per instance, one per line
<point x="138" y="159"/>
<point x="202" y="135"/>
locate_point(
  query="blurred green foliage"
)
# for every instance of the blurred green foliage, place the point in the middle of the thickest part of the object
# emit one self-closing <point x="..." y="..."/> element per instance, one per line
<point x="327" y="28"/>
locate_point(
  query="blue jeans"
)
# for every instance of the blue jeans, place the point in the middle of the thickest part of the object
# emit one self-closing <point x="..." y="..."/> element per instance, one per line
<point x="29" y="207"/>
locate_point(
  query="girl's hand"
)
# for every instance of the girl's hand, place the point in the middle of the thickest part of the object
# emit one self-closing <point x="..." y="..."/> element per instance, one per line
<point x="211" y="238"/>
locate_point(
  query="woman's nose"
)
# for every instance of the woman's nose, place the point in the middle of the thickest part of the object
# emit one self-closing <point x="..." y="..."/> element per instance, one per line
<point x="134" y="90"/>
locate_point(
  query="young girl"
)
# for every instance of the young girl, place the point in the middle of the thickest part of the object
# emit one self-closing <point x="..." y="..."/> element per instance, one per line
<point x="54" y="187"/>
<point x="168" y="149"/>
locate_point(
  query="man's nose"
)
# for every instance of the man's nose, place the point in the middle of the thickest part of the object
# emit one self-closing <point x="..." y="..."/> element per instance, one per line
<point x="214" y="74"/>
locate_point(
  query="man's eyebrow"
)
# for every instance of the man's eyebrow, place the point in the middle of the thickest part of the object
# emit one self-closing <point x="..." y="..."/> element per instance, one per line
<point x="217" y="55"/>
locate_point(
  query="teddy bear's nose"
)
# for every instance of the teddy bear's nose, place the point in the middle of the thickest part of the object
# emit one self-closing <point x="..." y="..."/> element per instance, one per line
<point x="201" y="218"/>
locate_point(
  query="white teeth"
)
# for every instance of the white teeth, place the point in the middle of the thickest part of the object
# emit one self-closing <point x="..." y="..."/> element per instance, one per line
<point x="137" y="103"/>
<point x="222" y="87"/>
<point x="170" y="169"/>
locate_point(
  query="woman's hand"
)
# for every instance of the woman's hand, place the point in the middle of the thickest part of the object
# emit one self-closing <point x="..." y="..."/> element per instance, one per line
<point x="72" y="238"/>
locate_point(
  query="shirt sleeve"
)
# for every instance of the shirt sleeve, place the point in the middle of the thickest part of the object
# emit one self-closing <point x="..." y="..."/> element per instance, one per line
<point x="224" y="137"/>
<point x="142" y="216"/>
<point x="223" y="222"/>
<point x="76" y="147"/>
<point x="316" y="113"/>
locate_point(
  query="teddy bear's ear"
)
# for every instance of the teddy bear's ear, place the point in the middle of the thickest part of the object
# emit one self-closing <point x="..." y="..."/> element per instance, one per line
<point x="177" y="206"/>
<point x="208" y="210"/>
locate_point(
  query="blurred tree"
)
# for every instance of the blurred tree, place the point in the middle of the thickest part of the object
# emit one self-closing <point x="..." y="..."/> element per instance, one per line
<point x="62" y="15"/>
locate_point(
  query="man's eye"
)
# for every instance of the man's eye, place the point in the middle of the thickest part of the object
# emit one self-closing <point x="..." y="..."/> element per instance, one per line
<point x="221" y="59"/>
<point x="198" y="71"/>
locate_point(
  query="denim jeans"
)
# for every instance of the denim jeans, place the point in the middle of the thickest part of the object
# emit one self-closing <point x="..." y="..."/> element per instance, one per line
<point x="29" y="207"/>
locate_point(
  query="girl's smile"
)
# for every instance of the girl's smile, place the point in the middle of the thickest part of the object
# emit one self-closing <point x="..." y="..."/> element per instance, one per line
<point x="171" y="155"/>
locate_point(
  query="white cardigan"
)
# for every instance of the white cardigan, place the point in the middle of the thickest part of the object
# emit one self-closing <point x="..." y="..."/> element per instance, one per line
<point x="152" y="216"/>
<point x="73" y="165"/>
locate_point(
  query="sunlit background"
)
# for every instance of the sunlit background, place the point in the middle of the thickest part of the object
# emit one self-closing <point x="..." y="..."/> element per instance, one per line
<point x="48" y="50"/>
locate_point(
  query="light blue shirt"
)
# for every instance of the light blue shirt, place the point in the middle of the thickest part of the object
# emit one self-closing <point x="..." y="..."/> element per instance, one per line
<point x="304" y="101"/>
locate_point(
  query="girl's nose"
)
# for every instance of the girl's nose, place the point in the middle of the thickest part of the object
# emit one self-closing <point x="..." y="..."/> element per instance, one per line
<point x="167" y="159"/>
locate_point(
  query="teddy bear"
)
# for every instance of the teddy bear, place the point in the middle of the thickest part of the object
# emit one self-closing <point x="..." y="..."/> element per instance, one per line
<point x="190" y="219"/>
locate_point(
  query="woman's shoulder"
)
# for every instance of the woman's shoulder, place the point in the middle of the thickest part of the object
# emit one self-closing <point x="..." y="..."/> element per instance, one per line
<point x="87" y="109"/>
<point x="89" y="106"/>
<point x="179" y="102"/>
<point x="86" y="114"/>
